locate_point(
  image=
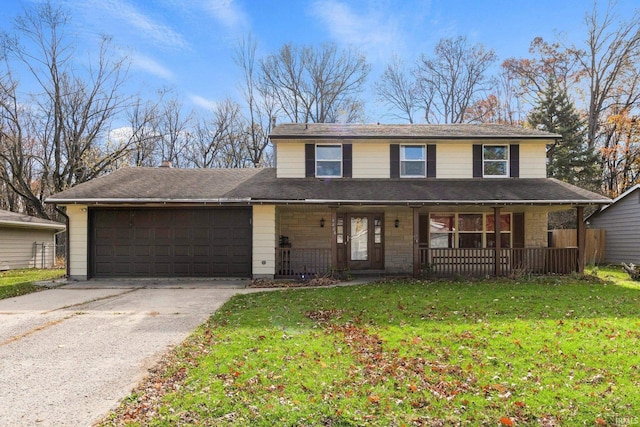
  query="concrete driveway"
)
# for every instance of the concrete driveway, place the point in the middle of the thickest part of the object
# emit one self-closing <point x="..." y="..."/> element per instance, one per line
<point x="68" y="355"/>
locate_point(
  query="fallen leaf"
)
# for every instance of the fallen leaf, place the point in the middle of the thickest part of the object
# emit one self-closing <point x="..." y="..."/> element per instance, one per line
<point x="506" y="421"/>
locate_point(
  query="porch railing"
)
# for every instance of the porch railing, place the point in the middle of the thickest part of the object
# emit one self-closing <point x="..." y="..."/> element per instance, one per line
<point x="298" y="262"/>
<point x="479" y="262"/>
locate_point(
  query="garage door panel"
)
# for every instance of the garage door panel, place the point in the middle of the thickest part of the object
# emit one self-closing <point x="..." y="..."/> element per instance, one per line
<point x="171" y="242"/>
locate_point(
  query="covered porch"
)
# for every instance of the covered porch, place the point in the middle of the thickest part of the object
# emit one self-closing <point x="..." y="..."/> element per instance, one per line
<point x="421" y="241"/>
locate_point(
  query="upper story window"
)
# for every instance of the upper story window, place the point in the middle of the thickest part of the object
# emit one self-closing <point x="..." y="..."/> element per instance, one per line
<point x="328" y="161"/>
<point x="413" y="161"/>
<point x="495" y="161"/>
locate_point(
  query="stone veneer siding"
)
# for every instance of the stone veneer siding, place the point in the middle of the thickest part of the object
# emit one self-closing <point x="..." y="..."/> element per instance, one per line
<point x="398" y="242"/>
<point x="535" y="229"/>
<point x="302" y="226"/>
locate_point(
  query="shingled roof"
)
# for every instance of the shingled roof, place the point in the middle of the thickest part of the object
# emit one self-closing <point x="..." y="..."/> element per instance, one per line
<point x="405" y="131"/>
<point x="254" y="186"/>
<point x="159" y="185"/>
<point x="13" y="219"/>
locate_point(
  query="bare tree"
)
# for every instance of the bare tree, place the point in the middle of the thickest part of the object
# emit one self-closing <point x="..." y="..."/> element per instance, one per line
<point x="503" y="105"/>
<point x="451" y="80"/>
<point x="174" y="128"/>
<point x="610" y="59"/>
<point x="67" y="118"/>
<point x="220" y="141"/>
<point x="398" y="90"/>
<point x="318" y="85"/>
<point x="261" y="107"/>
<point x="140" y="133"/>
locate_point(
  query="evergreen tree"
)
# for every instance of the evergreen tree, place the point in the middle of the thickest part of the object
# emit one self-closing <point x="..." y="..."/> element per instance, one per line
<point x="568" y="159"/>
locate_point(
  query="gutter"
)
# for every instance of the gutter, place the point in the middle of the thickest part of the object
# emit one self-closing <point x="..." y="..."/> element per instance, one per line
<point x="439" y="202"/>
<point x="412" y="137"/>
<point x="221" y="200"/>
<point x="249" y="201"/>
<point x="22" y="224"/>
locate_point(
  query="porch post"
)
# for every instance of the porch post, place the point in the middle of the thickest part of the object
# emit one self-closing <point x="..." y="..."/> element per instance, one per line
<point x="334" y="240"/>
<point x="416" y="242"/>
<point x="581" y="237"/>
<point x="496" y="229"/>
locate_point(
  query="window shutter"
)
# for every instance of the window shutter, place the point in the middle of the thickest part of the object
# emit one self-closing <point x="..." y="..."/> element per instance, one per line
<point x="394" y="155"/>
<point x="514" y="161"/>
<point x="431" y="161"/>
<point x="347" y="160"/>
<point x="477" y="160"/>
<point x="518" y="230"/>
<point x="310" y="160"/>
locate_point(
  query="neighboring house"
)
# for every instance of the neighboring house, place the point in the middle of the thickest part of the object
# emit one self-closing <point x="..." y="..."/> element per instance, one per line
<point x="27" y="241"/>
<point x="394" y="199"/>
<point x="621" y="222"/>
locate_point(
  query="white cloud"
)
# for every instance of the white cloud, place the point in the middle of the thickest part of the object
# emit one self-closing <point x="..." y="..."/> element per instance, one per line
<point x="374" y="31"/>
<point x="120" y="135"/>
<point x="141" y="24"/>
<point x="205" y="103"/>
<point x="227" y="12"/>
<point x="150" y="65"/>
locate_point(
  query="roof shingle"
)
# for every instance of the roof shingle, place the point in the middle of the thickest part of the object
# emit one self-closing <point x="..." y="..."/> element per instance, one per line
<point x="152" y="185"/>
<point x="405" y="131"/>
<point x="14" y="219"/>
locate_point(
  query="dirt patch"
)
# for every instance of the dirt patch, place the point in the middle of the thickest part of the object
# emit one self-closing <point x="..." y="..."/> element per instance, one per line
<point x="290" y="283"/>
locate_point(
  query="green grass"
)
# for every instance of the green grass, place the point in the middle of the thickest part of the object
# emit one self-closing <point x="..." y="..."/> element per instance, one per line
<point x="20" y="282"/>
<point x="535" y="351"/>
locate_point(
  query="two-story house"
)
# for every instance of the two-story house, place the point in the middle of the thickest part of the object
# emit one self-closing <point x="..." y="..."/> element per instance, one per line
<point x="395" y="199"/>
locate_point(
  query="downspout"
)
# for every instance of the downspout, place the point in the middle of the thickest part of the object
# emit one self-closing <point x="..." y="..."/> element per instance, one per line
<point x="67" y="248"/>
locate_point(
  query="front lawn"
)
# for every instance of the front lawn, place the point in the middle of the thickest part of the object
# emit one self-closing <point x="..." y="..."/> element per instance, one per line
<point x="20" y="282"/>
<point x="535" y="351"/>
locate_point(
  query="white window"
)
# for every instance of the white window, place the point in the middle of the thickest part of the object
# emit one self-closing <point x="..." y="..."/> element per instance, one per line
<point x="413" y="161"/>
<point x="495" y="161"/>
<point x="328" y="161"/>
<point x="468" y="230"/>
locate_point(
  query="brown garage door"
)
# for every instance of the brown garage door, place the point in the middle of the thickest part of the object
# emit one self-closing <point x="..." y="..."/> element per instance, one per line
<point x="170" y="242"/>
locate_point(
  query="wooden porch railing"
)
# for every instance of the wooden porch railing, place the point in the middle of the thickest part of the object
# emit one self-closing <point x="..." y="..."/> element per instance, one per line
<point x="480" y="262"/>
<point x="297" y="262"/>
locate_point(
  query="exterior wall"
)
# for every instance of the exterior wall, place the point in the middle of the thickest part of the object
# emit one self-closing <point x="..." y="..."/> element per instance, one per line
<point x="535" y="229"/>
<point x="17" y="248"/>
<point x="290" y="159"/>
<point x="398" y="245"/>
<point x="621" y="221"/>
<point x="78" y="241"/>
<point x="533" y="160"/>
<point x="371" y="160"/>
<point x="301" y="225"/>
<point x="264" y="241"/>
<point x="454" y="160"/>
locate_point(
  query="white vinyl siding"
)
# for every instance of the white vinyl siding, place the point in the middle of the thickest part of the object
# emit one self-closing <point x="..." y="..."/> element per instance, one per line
<point x="533" y="160"/>
<point x="455" y="160"/>
<point x="264" y="241"/>
<point x="290" y="159"/>
<point x="78" y="241"/>
<point x="371" y="159"/>
<point x="17" y="248"/>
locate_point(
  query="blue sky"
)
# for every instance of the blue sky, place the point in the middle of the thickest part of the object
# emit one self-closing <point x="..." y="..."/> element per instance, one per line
<point x="188" y="45"/>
